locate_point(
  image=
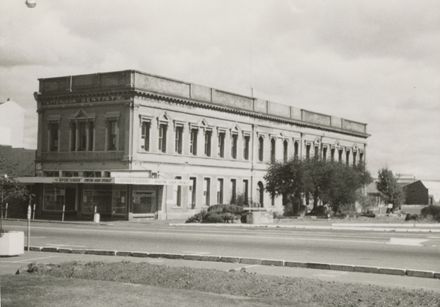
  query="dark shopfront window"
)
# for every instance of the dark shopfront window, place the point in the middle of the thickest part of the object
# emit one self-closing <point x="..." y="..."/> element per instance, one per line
<point x="99" y="196"/>
<point x="144" y="200"/>
<point x="57" y="196"/>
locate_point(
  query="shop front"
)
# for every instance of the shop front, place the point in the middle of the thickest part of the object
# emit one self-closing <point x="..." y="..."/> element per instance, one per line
<point x="126" y="197"/>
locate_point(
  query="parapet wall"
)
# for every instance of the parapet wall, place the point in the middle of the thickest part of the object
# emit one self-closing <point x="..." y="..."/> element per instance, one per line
<point x="130" y="79"/>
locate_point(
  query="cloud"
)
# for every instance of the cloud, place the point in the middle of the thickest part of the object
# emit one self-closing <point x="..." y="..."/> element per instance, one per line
<point x="372" y="61"/>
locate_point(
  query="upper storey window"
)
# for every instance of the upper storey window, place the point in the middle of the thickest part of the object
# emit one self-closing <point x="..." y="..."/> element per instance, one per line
<point x="73" y="136"/>
<point x="308" y="151"/>
<point x="145" y="135"/>
<point x="82" y="136"/>
<point x="193" y="141"/>
<point x="179" y="140"/>
<point x="234" y="142"/>
<point x="285" y="151"/>
<point x="272" y="150"/>
<point x="54" y="136"/>
<point x="91" y="136"/>
<point x="260" y="148"/>
<point x="208" y="137"/>
<point x="82" y="132"/>
<point x="162" y="140"/>
<point x="221" y="144"/>
<point x="112" y="134"/>
<point x="295" y="150"/>
<point x="246" y="141"/>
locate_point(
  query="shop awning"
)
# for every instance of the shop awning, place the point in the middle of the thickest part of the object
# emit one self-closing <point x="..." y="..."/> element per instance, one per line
<point x="104" y="180"/>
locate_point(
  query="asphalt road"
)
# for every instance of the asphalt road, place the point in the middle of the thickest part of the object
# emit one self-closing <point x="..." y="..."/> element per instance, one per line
<point x="402" y="250"/>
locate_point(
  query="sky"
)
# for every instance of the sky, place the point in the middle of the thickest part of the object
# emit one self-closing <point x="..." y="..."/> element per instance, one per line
<point x="372" y="61"/>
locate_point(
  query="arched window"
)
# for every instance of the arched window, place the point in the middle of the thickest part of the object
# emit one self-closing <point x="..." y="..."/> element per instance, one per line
<point x="272" y="150"/>
<point x="260" y="148"/>
<point x="285" y="151"/>
<point x="260" y="191"/>
<point x="295" y="148"/>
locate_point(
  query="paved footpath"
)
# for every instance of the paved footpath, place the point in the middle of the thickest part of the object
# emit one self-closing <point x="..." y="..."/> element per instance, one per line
<point x="9" y="265"/>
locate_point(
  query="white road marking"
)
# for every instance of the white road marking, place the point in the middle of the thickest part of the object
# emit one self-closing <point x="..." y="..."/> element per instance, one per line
<point x="406" y="241"/>
<point x="196" y="253"/>
<point x="63" y="245"/>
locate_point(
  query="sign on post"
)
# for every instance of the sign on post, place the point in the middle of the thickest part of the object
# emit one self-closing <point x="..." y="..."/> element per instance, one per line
<point x="29" y="228"/>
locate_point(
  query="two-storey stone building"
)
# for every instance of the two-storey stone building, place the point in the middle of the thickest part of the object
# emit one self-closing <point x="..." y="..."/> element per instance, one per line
<point x="133" y="144"/>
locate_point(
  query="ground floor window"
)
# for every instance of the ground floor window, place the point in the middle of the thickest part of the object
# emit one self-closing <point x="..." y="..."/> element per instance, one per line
<point x="55" y="197"/>
<point x="178" y="193"/>
<point x="144" y="201"/>
<point x="260" y="191"/>
<point x="192" y="192"/>
<point x="98" y="197"/>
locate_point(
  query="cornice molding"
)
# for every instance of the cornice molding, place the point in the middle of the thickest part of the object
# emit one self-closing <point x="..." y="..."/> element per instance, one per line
<point x="48" y="101"/>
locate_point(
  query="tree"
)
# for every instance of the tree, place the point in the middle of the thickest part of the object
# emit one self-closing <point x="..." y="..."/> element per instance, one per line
<point x="318" y="176"/>
<point x="286" y="179"/>
<point x="10" y="190"/>
<point x="346" y="183"/>
<point x="388" y="187"/>
<point x="328" y="183"/>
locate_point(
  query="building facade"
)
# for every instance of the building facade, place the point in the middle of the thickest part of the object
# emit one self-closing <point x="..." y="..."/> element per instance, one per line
<point x="129" y="144"/>
<point x="12" y="119"/>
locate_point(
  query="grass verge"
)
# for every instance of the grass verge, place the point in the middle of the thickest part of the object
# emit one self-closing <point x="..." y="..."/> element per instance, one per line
<point x="263" y="290"/>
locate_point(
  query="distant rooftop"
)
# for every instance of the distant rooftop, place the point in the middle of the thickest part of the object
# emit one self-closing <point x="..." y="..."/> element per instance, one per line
<point x="133" y="80"/>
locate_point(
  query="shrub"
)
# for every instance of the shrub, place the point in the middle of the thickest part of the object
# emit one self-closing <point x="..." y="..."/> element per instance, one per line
<point x="411" y="217"/>
<point x="214" y="218"/>
<point x="432" y="212"/>
<point x="319" y="211"/>
<point x="217" y="214"/>
<point x="368" y="213"/>
<point x="197" y="218"/>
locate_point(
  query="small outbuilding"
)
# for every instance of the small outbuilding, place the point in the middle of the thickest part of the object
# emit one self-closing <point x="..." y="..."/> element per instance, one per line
<point x="416" y="193"/>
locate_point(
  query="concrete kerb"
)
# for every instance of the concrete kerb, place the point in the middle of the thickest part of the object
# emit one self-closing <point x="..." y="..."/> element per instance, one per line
<point x="337" y="227"/>
<point x="244" y="260"/>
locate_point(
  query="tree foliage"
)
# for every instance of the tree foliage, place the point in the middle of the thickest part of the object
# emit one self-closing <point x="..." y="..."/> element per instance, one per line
<point x="11" y="191"/>
<point x="388" y="187"/>
<point x="325" y="183"/>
